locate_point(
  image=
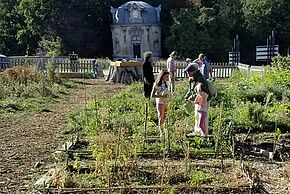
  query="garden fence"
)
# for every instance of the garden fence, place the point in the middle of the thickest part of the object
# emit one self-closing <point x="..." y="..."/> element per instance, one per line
<point x="61" y="64"/>
<point x="250" y="68"/>
<point x="64" y="65"/>
<point x="220" y="69"/>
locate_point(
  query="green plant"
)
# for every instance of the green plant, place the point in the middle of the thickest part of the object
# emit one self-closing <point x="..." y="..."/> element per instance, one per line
<point x="198" y="177"/>
<point x="52" y="76"/>
<point x="281" y="62"/>
<point x="171" y="191"/>
<point x="88" y="75"/>
<point x="51" y="47"/>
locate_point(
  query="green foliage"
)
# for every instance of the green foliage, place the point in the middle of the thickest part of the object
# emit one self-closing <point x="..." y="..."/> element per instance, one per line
<point x="281" y="62"/>
<point x="10" y="22"/>
<point x="198" y="177"/>
<point x="265" y="15"/>
<point x="51" y="48"/>
<point x="52" y="76"/>
<point x="198" y="30"/>
<point x="172" y="191"/>
<point x="255" y="100"/>
<point x="192" y="26"/>
<point x="115" y="126"/>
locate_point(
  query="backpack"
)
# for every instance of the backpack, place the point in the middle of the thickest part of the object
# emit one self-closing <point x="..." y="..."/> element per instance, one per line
<point x="212" y="89"/>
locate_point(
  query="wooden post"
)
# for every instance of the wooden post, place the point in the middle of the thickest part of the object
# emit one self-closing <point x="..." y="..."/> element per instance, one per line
<point x="233" y="148"/>
<point x="95" y="99"/>
<point x="222" y="154"/>
<point x="219" y="130"/>
<point x="167" y="135"/>
<point x="187" y="157"/>
<point x="118" y="147"/>
<point x="145" y="123"/>
<point x="164" y="159"/>
<point x="275" y="140"/>
<point x="67" y="156"/>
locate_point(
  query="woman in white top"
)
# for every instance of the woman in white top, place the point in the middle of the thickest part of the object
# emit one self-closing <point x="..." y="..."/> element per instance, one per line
<point x="161" y="93"/>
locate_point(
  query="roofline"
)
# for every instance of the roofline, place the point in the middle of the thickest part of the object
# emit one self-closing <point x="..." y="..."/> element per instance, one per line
<point x="135" y="24"/>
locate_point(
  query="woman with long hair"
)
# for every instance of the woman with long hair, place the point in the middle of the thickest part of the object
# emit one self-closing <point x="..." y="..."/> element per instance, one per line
<point x="161" y="93"/>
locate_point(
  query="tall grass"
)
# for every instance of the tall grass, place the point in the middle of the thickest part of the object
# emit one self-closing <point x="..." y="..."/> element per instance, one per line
<point x="23" y="86"/>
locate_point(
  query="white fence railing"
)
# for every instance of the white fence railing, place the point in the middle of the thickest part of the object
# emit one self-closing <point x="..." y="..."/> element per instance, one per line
<point x="250" y="68"/>
<point x="64" y="65"/>
<point x="61" y="64"/>
<point x="220" y="69"/>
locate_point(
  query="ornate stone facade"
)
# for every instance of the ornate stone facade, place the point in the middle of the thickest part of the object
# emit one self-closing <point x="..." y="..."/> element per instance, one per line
<point x="135" y="30"/>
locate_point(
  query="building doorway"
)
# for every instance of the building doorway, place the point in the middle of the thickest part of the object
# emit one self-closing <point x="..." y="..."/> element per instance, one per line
<point x="137" y="50"/>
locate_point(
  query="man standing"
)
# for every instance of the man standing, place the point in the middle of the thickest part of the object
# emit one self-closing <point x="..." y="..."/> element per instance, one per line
<point x="206" y="68"/>
<point x="95" y="68"/>
<point x="199" y="61"/>
<point x="171" y="67"/>
<point x="204" y="65"/>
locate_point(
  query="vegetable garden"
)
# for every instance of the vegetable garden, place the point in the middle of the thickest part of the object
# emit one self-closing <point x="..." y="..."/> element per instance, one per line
<point x="116" y="148"/>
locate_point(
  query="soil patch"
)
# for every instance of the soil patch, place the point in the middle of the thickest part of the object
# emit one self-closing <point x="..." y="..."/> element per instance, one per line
<point x="29" y="138"/>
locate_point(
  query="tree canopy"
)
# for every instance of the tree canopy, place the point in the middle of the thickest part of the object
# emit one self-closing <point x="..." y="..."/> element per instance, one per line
<point x="58" y="27"/>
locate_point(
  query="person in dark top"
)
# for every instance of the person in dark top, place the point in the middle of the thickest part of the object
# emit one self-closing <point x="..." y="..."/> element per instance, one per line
<point x="195" y="77"/>
<point x="148" y="76"/>
<point x="95" y="68"/>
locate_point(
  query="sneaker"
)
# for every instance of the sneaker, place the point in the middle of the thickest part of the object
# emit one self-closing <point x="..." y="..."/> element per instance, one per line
<point x="193" y="134"/>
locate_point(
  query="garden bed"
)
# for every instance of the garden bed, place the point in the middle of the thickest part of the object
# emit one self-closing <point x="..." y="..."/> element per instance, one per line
<point x="123" y="154"/>
<point x="155" y="175"/>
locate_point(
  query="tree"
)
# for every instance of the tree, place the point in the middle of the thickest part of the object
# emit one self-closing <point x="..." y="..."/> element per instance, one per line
<point x="50" y="47"/>
<point x="37" y="18"/>
<point x="263" y="16"/>
<point x="198" y="30"/>
<point x="83" y="26"/>
<point x="10" y="23"/>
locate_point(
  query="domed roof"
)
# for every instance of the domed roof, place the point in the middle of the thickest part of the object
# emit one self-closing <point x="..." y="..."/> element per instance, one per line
<point x="138" y="3"/>
<point x="134" y="12"/>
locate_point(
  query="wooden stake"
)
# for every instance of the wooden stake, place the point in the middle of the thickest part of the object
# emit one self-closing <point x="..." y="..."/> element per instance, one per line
<point x="145" y="124"/>
<point x="168" y="133"/>
<point x="233" y="151"/>
<point x="118" y="146"/>
<point x="219" y="130"/>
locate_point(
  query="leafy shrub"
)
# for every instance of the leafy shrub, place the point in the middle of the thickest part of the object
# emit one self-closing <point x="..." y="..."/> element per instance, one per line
<point x="281" y="62"/>
<point x="52" y="76"/>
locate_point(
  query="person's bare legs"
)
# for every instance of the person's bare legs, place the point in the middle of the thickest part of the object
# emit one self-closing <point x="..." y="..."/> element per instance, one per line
<point x="203" y="123"/>
<point x="161" y="109"/>
<point x="172" y="83"/>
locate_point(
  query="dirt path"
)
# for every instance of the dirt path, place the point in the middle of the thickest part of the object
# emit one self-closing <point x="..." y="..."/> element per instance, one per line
<point x="31" y="137"/>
